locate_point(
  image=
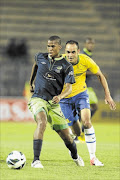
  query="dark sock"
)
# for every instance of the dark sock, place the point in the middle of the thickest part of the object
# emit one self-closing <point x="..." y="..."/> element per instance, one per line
<point x="73" y="150"/>
<point x="37" y="145"/>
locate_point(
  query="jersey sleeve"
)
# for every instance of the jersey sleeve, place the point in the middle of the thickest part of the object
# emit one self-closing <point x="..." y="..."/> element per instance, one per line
<point x="36" y="58"/>
<point x="69" y="75"/>
<point x="91" y="65"/>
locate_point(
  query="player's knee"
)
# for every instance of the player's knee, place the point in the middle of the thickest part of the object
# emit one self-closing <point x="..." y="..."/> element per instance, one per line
<point x="87" y="124"/>
<point x="68" y="140"/>
<point x="41" y="122"/>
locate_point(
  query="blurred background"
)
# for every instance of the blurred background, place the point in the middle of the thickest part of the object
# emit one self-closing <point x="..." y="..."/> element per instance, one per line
<point x="26" y="26"/>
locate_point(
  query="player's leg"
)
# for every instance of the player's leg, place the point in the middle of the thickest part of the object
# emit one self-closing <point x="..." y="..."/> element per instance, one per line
<point x="71" y="115"/>
<point x="37" y="107"/>
<point x="90" y="137"/>
<point x="59" y="124"/>
<point x="76" y="128"/>
<point x="70" y="144"/>
<point x="41" y="121"/>
<point x="93" y="102"/>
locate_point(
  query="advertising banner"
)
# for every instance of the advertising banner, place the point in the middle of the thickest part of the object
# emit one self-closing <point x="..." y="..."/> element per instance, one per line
<point x="14" y="110"/>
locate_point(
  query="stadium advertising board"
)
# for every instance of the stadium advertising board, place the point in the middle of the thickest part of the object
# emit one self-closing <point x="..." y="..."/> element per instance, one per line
<point x="17" y="110"/>
<point x="14" y="110"/>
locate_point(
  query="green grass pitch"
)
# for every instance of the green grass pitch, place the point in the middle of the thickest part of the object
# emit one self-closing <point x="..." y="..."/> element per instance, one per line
<point x="55" y="157"/>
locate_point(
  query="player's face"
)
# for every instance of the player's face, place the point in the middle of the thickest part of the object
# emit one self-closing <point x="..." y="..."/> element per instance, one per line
<point x="72" y="52"/>
<point x="53" y="48"/>
<point x="90" y="45"/>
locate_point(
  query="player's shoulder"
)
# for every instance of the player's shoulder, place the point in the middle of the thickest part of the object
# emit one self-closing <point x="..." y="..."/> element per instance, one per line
<point x="83" y="56"/>
<point x="40" y="54"/>
<point x="65" y="61"/>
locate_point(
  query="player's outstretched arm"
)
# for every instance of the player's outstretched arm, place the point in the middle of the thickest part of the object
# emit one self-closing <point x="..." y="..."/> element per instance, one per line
<point x="108" y="98"/>
<point x="33" y="75"/>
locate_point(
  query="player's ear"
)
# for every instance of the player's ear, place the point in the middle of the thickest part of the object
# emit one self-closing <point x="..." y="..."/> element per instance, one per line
<point x="60" y="46"/>
<point x="78" y="51"/>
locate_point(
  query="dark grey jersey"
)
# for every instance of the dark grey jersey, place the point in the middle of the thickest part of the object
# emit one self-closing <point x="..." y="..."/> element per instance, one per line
<point x="51" y="76"/>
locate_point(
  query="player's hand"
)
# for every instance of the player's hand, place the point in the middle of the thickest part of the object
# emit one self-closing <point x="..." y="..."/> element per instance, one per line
<point x="31" y="88"/>
<point x="111" y="103"/>
<point x="56" y="99"/>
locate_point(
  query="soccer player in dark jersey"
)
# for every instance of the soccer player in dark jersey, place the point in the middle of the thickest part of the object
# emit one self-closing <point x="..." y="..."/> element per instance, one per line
<point x="78" y="101"/>
<point x="52" y="71"/>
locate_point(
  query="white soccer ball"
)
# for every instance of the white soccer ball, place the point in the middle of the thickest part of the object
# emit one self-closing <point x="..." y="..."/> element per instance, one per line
<point x="16" y="160"/>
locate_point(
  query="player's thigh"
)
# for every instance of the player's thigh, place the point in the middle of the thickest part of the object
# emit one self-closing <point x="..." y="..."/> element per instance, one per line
<point x="69" y="113"/>
<point x="37" y="105"/>
<point x="56" y="118"/>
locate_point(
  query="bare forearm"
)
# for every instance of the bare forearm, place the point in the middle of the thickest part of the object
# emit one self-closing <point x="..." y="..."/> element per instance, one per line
<point x="104" y="84"/>
<point x="108" y="98"/>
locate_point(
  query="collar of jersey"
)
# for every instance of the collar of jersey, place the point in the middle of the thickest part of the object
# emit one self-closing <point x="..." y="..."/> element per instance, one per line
<point x="87" y="52"/>
<point x="76" y="62"/>
<point x="56" y="59"/>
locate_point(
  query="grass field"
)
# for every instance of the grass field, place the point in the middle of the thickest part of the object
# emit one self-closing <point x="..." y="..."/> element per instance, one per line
<point x="55" y="158"/>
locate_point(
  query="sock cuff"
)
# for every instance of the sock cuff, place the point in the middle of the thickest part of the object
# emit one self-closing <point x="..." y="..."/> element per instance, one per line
<point x="89" y="131"/>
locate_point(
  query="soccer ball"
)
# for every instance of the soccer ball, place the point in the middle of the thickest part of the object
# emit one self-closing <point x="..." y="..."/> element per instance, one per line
<point x="16" y="160"/>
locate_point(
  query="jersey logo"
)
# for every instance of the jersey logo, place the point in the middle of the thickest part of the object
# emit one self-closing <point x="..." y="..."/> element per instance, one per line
<point x="79" y="74"/>
<point x="43" y="62"/>
<point x="59" y="67"/>
<point x="68" y="121"/>
<point x="49" y="76"/>
<point x="70" y="73"/>
<point x="87" y="100"/>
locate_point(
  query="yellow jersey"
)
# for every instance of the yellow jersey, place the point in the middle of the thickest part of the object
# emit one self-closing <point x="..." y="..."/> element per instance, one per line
<point x="84" y="63"/>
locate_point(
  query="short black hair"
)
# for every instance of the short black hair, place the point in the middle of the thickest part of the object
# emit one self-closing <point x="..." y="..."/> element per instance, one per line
<point x="55" y="38"/>
<point x="73" y="42"/>
<point x="89" y="39"/>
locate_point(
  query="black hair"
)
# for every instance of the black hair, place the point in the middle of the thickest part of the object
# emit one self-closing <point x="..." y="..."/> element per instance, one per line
<point x="73" y="42"/>
<point x="55" y="38"/>
<point x="89" y="39"/>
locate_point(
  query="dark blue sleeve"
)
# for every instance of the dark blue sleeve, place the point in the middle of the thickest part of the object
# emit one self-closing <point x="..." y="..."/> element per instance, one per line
<point x="69" y="75"/>
<point x="36" y="57"/>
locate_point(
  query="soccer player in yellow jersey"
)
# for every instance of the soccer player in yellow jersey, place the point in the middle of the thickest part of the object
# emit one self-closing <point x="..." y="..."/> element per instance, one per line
<point x="78" y="101"/>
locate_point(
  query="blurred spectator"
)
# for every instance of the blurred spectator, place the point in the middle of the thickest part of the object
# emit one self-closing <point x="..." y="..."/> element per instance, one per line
<point x="11" y="49"/>
<point x="22" y="49"/>
<point x="18" y="49"/>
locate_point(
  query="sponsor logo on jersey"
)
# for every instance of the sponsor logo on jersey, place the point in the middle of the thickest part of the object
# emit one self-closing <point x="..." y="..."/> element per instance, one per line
<point x="79" y="74"/>
<point x="59" y="67"/>
<point x="49" y="76"/>
<point x="43" y="62"/>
